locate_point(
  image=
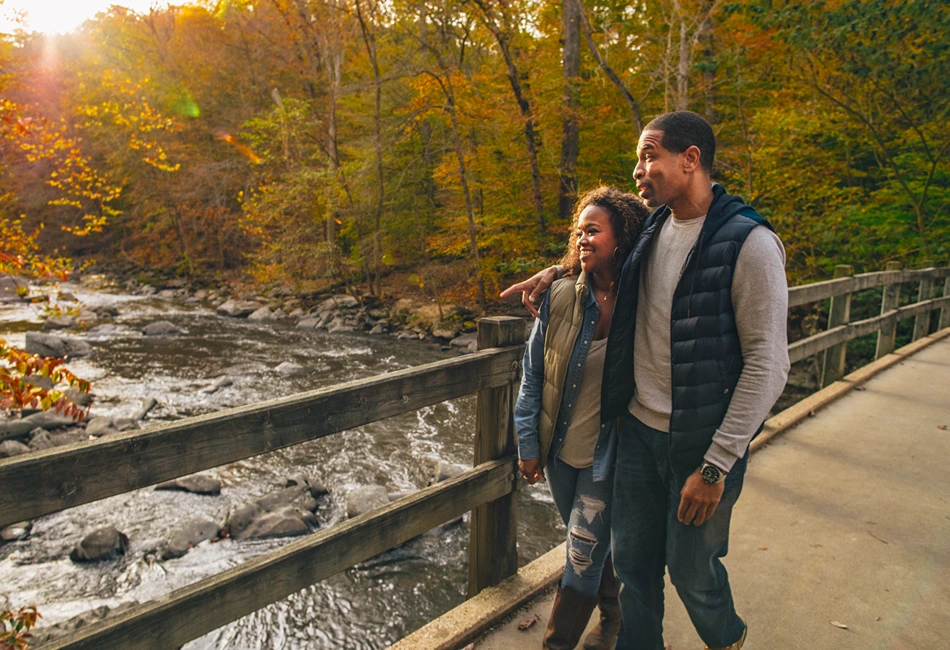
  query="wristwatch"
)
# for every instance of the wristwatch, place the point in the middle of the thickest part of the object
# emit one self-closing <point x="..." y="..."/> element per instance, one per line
<point x="712" y="474"/>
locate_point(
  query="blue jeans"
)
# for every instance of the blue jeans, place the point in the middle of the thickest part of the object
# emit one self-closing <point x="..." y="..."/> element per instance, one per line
<point x="647" y="537"/>
<point x="584" y="506"/>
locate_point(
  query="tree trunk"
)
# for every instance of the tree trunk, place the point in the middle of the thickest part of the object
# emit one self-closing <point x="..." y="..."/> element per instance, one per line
<point x="527" y="115"/>
<point x="709" y="65"/>
<point x="369" y="40"/>
<point x="570" y="130"/>
<point x="469" y="208"/>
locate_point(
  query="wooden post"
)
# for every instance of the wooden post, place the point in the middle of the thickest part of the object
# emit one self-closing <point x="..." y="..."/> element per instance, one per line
<point x="889" y="301"/>
<point x="493" y="549"/>
<point x="832" y="368"/>
<point x="925" y="292"/>
<point x="945" y="310"/>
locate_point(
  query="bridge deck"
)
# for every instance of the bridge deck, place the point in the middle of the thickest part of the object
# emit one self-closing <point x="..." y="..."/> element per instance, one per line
<point x="845" y="519"/>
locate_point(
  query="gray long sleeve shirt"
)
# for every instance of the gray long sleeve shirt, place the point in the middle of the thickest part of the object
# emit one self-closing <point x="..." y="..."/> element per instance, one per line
<point x="760" y="303"/>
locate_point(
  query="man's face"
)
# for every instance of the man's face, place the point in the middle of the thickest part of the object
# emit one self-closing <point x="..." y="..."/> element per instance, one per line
<point x="659" y="174"/>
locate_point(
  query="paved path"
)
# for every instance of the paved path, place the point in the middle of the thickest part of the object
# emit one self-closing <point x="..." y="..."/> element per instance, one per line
<point x="844" y="519"/>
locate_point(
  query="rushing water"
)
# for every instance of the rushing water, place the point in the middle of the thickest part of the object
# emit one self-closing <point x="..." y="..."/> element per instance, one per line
<point x="368" y="606"/>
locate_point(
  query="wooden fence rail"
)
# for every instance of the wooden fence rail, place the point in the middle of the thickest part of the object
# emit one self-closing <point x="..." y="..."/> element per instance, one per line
<point x="41" y="483"/>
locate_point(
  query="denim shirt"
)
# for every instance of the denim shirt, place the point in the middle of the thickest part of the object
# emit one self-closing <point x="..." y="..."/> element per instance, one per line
<point x="528" y="407"/>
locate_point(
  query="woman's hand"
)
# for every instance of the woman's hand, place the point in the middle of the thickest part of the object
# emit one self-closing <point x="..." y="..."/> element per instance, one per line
<point x="533" y="288"/>
<point x="530" y="470"/>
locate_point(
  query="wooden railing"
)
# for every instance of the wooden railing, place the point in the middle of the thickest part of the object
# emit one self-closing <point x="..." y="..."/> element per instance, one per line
<point x="833" y="342"/>
<point x="41" y="483"/>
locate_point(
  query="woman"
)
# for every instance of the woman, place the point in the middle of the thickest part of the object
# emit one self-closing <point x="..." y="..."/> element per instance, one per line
<point x="557" y="415"/>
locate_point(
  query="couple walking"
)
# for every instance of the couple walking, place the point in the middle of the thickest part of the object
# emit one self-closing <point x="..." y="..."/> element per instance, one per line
<point x="649" y="370"/>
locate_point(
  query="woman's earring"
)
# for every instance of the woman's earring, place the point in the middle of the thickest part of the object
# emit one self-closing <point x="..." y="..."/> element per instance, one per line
<point x="616" y="249"/>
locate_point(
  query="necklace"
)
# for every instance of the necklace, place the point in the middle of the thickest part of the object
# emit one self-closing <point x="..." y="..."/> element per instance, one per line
<point x="610" y="291"/>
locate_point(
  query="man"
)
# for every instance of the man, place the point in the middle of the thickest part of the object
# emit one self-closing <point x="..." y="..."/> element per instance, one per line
<point x="696" y="357"/>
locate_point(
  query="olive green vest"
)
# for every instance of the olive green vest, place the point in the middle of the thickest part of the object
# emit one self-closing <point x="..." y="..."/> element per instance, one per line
<point x="566" y="307"/>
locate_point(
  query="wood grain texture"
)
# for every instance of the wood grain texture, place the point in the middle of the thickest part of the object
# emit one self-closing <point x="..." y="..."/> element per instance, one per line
<point x="493" y="549"/>
<point x="40" y="483"/>
<point x="839" y="313"/>
<point x="925" y="291"/>
<point x="195" y="610"/>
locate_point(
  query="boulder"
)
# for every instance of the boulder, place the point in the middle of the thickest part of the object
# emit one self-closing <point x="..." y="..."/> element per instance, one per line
<point x="196" y="484"/>
<point x="377" y="329"/>
<point x="147" y="405"/>
<point x="297" y="313"/>
<point x="68" y="437"/>
<point x="106" y="312"/>
<point x="465" y="340"/>
<point x="16" y="532"/>
<point x="87" y="318"/>
<point x="308" y="323"/>
<point x="59" y="323"/>
<point x="341" y="301"/>
<point x="51" y="345"/>
<point x="287" y="511"/>
<point x="40" y="439"/>
<point x="340" y="324"/>
<point x="78" y="397"/>
<point x="407" y="336"/>
<point x="200" y="294"/>
<point x="167" y="293"/>
<point x="9" y="286"/>
<point x="146" y="290"/>
<point x="102" y="544"/>
<point x="366" y="498"/>
<point x="442" y="471"/>
<point x="66" y="296"/>
<point x="11" y="448"/>
<point x="289" y="368"/>
<point x="238" y="308"/>
<point x="444" y="332"/>
<point x="219" y="383"/>
<point x="21" y="427"/>
<point x="317" y="488"/>
<point x="190" y="535"/>
<point x="160" y="328"/>
<point x="431" y="314"/>
<point x="264" y="313"/>
<point x="104" y="426"/>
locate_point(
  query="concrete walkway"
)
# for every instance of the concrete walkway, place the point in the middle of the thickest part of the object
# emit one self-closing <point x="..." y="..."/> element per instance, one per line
<point x="843" y="521"/>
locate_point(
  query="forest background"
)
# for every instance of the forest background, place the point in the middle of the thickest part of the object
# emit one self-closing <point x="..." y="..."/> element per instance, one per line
<point x="436" y="147"/>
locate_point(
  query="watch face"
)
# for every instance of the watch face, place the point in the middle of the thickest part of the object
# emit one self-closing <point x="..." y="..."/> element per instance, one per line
<point x="711" y="474"/>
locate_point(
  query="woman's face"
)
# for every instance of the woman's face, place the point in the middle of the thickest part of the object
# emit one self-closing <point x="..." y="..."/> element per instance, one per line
<point x="596" y="241"/>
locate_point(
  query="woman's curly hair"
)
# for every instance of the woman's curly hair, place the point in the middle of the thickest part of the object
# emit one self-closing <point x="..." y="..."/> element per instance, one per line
<point x="627" y="214"/>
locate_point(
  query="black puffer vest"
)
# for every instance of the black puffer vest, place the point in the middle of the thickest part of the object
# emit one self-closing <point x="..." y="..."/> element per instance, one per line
<point x="705" y="353"/>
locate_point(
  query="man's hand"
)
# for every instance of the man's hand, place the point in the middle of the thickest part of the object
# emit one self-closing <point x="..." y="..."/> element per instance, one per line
<point x="698" y="499"/>
<point x="530" y="470"/>
<point x="532" y="288"/>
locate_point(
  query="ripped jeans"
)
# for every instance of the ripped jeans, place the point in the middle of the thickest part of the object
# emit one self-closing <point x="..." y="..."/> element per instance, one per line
<point x="584" y="505"/>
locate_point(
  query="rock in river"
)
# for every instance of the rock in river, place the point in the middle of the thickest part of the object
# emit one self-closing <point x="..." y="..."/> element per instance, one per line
<point x="10" y="448"/>
<point x="191" y="534"/>
<point x="365" y="498"/>
<point x="161" y="328"/>
<point x="51" y="345"/>
<point x="196" y="484"/>
<point x="102" y="544"/>
<point x="288" y="511"/>
<point x="238" y="308"/>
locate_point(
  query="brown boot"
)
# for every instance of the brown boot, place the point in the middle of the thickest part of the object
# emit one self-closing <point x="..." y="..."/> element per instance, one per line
<point x="604" y="635"/>
<point x="569" y="618"/>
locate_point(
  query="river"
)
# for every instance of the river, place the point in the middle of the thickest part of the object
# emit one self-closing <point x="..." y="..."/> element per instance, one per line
<point x="366" y="607"/>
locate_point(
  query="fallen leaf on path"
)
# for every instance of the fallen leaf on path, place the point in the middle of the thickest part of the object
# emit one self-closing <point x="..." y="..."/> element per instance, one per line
<point x="763" y="548"/>
<point x="877" y="618"/>
<point x="841" y="625"/>
<point x="942" y="427"/>
<point x="527" y="623"/>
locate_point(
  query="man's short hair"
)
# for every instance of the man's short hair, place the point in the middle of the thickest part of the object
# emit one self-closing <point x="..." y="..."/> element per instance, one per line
<point x="684" y="129"/>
